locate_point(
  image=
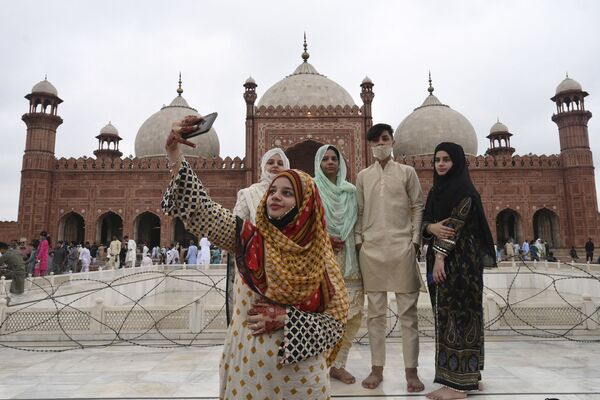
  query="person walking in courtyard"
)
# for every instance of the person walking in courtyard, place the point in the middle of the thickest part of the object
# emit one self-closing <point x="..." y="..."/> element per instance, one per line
<point x="114" y="250"/>
<point x="11" y="261"/>
<point x="461" y="246"/>
<point x="204" y="251"/>
<point x="191" y="257"/>
<point x="589" y="251"/>
<point x="85" y="257"/>
<point x="339" y="201"/>
<point x="387" y="235"/>
<point x="41" y="265"/>
<point x="131" y="255"/>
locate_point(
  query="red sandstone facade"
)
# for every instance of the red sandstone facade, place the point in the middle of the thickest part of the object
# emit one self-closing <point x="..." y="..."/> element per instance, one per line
<point x="86" y="199"/>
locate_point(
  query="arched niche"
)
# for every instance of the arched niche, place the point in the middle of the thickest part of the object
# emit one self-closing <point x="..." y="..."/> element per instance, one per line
<point x="546" y="227"/>
<point x="108" y="225"/>
<point x="508" y="226"/>
<point x="71" y="228"/>
<point x="146" y="228"/>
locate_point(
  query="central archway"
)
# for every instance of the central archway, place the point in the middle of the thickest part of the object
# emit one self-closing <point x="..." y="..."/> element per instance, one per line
<point x="302" y="156"/>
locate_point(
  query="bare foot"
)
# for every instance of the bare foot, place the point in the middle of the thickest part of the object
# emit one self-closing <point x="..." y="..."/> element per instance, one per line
<point x="374" y="378"/>
<point x="342" y="375"/>
<point x="413" y="383"/>
<point x="445" y="393"/>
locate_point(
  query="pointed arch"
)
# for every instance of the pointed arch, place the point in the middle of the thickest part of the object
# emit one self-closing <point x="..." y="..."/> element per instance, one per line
<point x="181" y="235"/>
<point x="546" y="226"/>
<point x="71" y="228"/>
<point x="108" y="225"/>
<point x="509" y="226"/>
<point x="146" y="229"/>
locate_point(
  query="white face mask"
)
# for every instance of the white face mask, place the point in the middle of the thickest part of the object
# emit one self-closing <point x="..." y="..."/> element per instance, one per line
<point x="381" y="152"/>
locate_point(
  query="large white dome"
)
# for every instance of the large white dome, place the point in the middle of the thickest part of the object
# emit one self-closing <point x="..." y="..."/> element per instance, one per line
<point x="306" y="87"/>
<point x="151" y="137"/>
<point x="431" y="124"/>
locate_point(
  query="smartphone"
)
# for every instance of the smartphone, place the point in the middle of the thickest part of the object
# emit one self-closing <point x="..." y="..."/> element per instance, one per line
<point x="203" y="126"/>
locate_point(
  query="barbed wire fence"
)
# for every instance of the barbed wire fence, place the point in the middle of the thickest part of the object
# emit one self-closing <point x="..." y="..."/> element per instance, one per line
<point x="64" y="309"/>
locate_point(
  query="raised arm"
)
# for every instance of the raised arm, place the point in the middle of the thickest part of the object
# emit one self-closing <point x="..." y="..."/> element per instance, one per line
<point x="186" y="198"/>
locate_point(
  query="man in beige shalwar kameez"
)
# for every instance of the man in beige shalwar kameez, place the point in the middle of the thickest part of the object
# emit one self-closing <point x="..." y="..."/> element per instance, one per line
<point x="387" y="234"/>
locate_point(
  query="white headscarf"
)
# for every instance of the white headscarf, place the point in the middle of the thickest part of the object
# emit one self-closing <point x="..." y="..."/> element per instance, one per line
<point x="248" y="198"/>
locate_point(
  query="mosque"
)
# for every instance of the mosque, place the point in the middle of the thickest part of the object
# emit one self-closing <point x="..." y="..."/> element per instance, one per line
<point x="552" y="197"/>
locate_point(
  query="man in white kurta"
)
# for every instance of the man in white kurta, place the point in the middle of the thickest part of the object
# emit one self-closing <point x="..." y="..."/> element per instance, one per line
<point x="388" y="234"/>
<point x="131" y="255"/>
<point x="204" y="251"/>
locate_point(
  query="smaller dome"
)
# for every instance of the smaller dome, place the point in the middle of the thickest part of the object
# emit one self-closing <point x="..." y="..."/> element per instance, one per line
<point x="44" y="87"/>
<point x="109" y="129"/>
<point x="367" y="80"/>
<point x="498" y="127"/>
<point x="250" y="80"/>
<point x="568" y="85"/>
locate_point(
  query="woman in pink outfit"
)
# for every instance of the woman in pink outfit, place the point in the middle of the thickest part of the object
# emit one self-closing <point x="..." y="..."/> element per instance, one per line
<point x="41" y="267"/>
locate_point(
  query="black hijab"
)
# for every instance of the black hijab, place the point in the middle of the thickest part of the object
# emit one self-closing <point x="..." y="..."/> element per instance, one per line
<point x="450" y="189"/>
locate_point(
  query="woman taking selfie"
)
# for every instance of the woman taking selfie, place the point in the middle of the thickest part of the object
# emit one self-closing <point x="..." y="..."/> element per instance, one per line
<point x="290" y="303"/>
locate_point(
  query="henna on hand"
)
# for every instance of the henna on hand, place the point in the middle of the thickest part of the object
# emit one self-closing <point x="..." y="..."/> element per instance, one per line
<point x="266" y="318"/>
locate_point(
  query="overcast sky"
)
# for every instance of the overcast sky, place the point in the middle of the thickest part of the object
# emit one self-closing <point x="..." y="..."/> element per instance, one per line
<point x="119" y="61"/>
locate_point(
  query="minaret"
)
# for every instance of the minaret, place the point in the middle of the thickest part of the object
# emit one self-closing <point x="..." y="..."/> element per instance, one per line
<point x="108" y="143"/>
<point x="367" y="95"/>
<point x="42" y="120"/>
<point x="576" y="162"/>
<point x="500" y="141"/>
<point x="250" y="99"/>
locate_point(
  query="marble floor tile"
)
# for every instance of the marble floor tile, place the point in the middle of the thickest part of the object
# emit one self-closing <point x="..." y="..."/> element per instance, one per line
<point x="515" y="369"/>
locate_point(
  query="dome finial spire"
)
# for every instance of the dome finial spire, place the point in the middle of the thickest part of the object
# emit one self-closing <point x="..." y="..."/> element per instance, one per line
<point x="305" y="54"/>
<point x="179" y="89"/>
<point x="430" y="88"/>
<point x="567" y="75"/>
<point x="45" y="77"/>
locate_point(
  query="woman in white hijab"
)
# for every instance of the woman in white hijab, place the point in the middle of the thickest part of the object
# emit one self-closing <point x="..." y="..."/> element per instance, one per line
<point x="273" y="162"/>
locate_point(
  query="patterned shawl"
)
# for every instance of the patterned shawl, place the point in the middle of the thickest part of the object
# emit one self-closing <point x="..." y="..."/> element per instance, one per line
<point x="291" y="266"/>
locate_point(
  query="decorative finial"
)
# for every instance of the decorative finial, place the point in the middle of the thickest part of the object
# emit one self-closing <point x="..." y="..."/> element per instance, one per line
<point x="45" y="77"/>
<point x="305" y="54"/>
<point x="179" y="89"/>
<point x="497" y="119"/>
<point x="430" y="88"/>
<point x="567" y="75"/>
